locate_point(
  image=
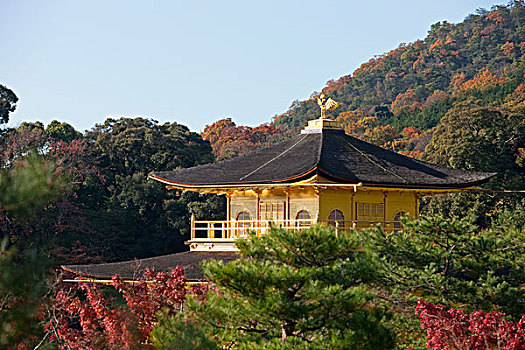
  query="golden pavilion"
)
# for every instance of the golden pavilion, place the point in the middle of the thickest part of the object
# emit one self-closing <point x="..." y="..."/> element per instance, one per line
<point x="321" y="175"/>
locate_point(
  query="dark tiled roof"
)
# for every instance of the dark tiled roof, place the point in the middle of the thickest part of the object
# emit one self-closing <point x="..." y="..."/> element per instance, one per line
<point x="329" y="153"/>
<point x="133" y="269"/>
<point x="286" y="159"/>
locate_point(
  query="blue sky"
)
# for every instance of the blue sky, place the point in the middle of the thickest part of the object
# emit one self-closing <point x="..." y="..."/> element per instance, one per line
<point x="195" y="62"/>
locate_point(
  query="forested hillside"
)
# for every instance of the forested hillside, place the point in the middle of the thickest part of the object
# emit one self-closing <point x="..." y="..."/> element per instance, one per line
<point x="398" y="98"/>
<point x="414" y="85"/>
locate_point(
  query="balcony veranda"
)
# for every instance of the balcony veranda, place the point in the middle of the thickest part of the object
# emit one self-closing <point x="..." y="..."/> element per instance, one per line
<point x="220" y="235"/>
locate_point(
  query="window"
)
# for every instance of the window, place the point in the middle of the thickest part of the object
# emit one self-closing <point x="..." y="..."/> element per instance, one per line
<point x="370" y="211"/>
<point x="271" y="211"/>
<point x="397" y="221"/>
<point x="243" y="224"/>
<point x="303" y="218"/>
<point x="244" y="218"/>
<point x="336" y="216"/>
<point x="369" y="214"/>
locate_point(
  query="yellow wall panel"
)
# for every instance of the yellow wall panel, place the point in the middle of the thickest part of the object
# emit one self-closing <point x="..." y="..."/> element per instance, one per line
<point x="385" y="202"/>
<point x="243" y="203"/>
<point x="331" y="199"/>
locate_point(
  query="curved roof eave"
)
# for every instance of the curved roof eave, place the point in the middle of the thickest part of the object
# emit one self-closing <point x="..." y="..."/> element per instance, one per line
<point x="322" y="173"/>
<point x="175" y="183"/>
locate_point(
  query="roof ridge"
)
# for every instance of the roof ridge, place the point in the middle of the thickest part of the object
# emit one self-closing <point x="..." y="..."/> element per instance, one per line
<point x="274" y="158"/>
<point x="320" y="151"/>
<point x="376" y="163"/>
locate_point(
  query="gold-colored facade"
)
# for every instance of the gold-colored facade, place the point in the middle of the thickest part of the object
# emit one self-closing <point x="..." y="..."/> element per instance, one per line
<point x="364" y="204"/>
<point x="300" y="205"/>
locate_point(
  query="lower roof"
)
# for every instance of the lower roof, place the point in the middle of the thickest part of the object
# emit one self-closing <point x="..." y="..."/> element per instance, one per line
<point x="134" y="269"/>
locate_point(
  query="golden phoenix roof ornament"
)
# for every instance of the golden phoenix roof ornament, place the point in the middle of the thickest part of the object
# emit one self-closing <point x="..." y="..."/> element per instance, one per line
<point x="326" y="105"/>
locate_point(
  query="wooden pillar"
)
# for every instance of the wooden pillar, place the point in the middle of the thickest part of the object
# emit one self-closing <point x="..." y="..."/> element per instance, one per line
<point x="385" y="226"/>
<point x="228" y="206"/>
<point x="287" y="209"/>
<point x="192" y="226"/>
<point x="226" y="233"/>
<point x="416" y="197"/>
<point x="384" y="205"/>
<point x="258" y="212"/>
<point x="352" y="207"/>
<point x="257" y="204"/>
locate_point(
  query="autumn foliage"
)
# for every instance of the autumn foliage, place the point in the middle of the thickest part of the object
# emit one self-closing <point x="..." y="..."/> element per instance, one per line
<point x="454" y="329"/>
<point x="84" y="317"/>
<point x="483" y="81"/>
<point x="229" y="140"/>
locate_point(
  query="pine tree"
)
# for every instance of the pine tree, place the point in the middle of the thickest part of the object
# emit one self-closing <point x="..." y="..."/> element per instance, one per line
<point x="451" y="262"/>
<point x="28" y="185"/>
<point x="304" y="289"/>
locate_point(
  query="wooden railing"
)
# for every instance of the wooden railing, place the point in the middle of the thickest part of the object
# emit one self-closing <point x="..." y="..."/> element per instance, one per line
<point x="232" y="229"/>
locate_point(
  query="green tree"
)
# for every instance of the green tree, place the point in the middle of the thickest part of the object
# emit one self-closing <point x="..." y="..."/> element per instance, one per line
<point x="451" y="262"/>
<point x="62" y="131"/>
<point x="32" y="126"/>
<point x="478" y="138"/>
<point x="24" y="187"/>
<point x="8" y="102"/>
<point x="300" y="290"/>
<point x="111" y="211"/>
<point x="27" y="185"/>
<point x="140" y="218"/>
<point x="142" y="145"/>
<point x="23" y="279"/>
